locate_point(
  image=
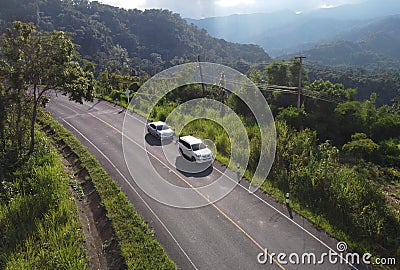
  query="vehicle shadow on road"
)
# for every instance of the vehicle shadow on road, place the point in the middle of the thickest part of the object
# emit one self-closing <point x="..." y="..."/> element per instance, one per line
<point x="153" y="141"/>
<point x="94" y="105"/>
<point x="192" y="169"/>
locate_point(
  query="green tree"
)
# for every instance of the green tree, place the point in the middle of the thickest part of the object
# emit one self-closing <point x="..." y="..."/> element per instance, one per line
<point x="3" y="117"/>
<point x="321" y="114"/>
<point x="389" y="152"/>
<point x="386" y="124"/>
<point x="285" y="73"/>
<point x="38" y="62"/>
<point x="352" y="118"/>
<point x="256" y="76"/>
<point x="277" y="73"/>
<point x="333" y="90"/>
<point x="292" y="116"/>
<point x="360" y="147"/>
<point x="396" y="105"/>
<point x="294" y="71"/>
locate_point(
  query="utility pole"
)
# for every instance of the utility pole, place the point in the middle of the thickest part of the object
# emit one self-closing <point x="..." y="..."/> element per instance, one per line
<point x="201" y="75"/>
<point x="299" y="87"/>
<point x="222" y="87"/>
<point x="128" y="92"/>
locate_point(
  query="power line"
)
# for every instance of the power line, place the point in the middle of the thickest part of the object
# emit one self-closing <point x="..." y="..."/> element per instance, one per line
<point x="326" y="99"/>
<point x="222" y="81"/>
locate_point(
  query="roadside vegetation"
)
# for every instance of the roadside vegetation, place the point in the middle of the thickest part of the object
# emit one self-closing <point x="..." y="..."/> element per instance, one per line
<point x="39" y="225"/>
<point x="139" y="248"/>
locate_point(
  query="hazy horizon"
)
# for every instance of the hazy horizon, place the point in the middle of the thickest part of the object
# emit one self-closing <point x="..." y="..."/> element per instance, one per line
<point x="197" y="9"/>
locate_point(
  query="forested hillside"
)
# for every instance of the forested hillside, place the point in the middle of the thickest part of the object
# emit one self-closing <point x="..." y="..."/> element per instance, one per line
<point x="129" y="40"/>
<point x="385" y="83"/>
<point x="372" y="46"/>
<point x="366" y="58"/>
<point x="341" y="45"/>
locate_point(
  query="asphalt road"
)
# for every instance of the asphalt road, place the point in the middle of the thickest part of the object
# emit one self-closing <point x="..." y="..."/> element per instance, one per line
<point x="228" y="234"/>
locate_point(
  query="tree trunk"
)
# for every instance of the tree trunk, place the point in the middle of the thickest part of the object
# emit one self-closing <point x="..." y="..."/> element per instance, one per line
<point x="18" y="127"/>
<point x="3" y="117"/>
<point x="33" y="120"/>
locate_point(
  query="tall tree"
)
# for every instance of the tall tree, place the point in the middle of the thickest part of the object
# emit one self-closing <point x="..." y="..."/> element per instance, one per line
<point x="36" y="62"/>
<point x="277" y="73"/>
<point x="396" y="104"/>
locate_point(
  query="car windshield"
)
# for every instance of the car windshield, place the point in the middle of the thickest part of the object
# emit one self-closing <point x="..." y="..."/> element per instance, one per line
<point x="198" y="146"/>
<point x="162" y="127"/>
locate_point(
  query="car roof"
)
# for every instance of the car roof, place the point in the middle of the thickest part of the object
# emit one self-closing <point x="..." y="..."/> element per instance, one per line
<point x="158" y="123"/>
<point x="191" y="139"/>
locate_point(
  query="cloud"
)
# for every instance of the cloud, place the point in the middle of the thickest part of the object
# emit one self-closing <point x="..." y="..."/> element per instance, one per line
<point x="327" y="6"/>
<point x="233" y="3"/>
<point x="211" y="8"/>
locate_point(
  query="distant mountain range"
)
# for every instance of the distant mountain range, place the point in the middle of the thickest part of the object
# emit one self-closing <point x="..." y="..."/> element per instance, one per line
<point x="374" y="45"/>
<point x="356" y="34"/>
<point x="278" y="33"/>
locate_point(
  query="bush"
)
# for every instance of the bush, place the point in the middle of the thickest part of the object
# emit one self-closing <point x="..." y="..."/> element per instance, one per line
<point x="223" y="144"/>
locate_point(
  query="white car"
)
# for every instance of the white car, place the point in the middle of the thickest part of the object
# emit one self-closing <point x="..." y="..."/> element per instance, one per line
<point x="194" y="149"/>
<point x="160" y="130"/>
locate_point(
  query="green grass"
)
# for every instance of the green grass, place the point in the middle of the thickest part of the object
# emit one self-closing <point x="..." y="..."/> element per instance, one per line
<point x="140" y="249"/>
<point x="39" y="224"/>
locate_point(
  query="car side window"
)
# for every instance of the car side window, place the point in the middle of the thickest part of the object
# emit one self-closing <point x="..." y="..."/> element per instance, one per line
<point x="186" y="144"/>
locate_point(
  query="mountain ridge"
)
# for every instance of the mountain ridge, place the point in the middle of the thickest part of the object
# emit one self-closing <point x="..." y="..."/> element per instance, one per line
<point x="371" y="46"/>
<point x="286" y="32"/>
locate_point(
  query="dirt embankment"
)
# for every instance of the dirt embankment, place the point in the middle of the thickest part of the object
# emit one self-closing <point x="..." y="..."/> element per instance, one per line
<point x="101" y="243"/>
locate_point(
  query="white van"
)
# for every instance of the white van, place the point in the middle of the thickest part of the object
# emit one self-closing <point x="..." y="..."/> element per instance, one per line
<point x="194" y="149"/>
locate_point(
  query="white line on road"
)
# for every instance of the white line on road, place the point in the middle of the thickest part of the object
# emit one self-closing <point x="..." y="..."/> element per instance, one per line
<point x="193" y="188"/>
<point x="256" y="196"/>
<point x="273" y="207"/>
<point x="133" y="188"/>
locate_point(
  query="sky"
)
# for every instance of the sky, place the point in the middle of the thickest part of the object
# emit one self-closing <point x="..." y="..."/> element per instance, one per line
<point x="211" y="8"/>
